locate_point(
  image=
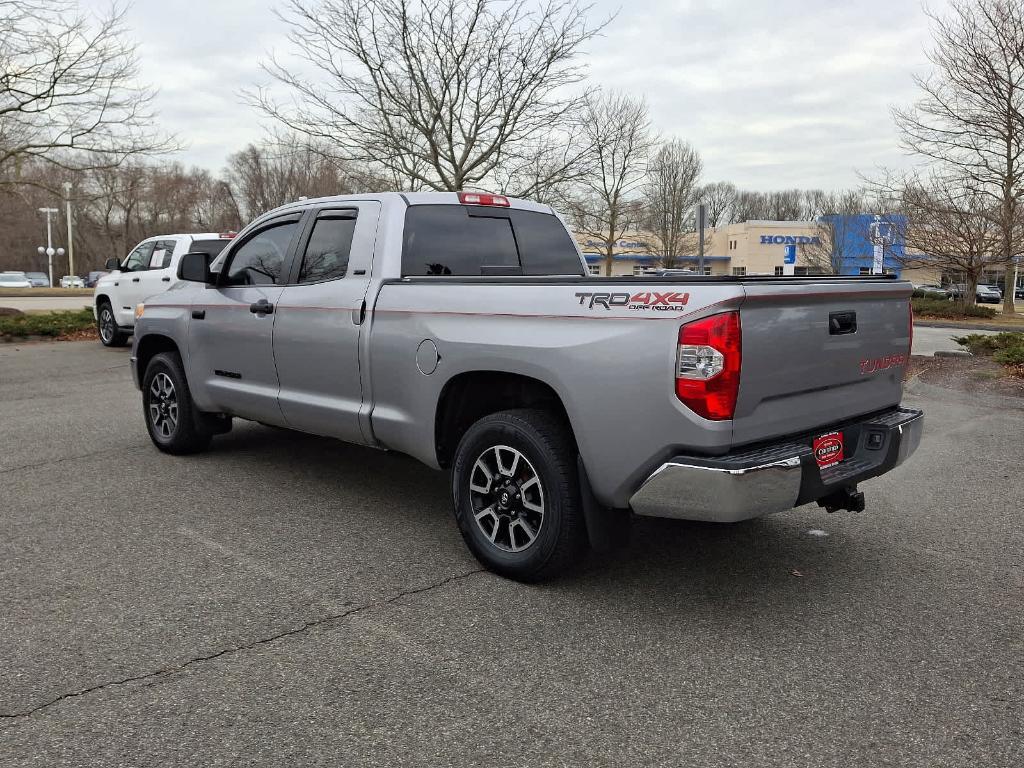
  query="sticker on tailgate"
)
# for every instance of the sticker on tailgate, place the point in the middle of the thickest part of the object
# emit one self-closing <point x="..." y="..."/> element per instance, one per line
<point x="828" y="449"/>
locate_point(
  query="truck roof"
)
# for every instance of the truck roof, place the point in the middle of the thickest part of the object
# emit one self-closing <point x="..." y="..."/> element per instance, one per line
<point x="409" y="198"/>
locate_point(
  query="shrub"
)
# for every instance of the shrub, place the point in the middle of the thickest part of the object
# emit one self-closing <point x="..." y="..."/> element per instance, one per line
<point x="1013" y="356"/>
<point x="47" y="324"/>
<point x="1005" y="348"/>
<point x="948" y="310"/>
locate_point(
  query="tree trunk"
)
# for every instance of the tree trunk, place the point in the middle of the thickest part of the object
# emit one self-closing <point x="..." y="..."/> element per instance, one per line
<point x="609" y="254"/>
<point x="1009" y="288"/>
<point x="971" y="290"/>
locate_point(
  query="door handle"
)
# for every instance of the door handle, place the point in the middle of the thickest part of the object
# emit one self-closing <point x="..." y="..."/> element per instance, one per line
<point x="135" y="279"/>
<point x="359" y="314"/>
<point x="166" y="279"/>
<point x="841" y="323"/>
<point x="198" y="314"/>
<point x="261" y="307"/>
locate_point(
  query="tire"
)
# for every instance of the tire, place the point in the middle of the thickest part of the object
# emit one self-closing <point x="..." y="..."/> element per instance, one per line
<point x="174" y="423"/>
<point x="106" y="324"/>
<point x="525" y="521"/>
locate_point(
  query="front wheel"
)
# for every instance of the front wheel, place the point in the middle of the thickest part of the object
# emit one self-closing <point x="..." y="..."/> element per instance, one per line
<point x="516" y="495"/>
<point x="175" y="424"/>
<point x="106" y="324"/>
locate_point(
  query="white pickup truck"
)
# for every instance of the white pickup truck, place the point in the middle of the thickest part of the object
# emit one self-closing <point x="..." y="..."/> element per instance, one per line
<point x="151" y="268"/>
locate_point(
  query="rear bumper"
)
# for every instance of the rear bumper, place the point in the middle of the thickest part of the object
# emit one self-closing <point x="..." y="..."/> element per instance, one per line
<point x="778" y="476"/>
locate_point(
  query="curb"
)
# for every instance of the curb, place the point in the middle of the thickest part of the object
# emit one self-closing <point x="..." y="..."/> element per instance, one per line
<point x="952" y="324"/>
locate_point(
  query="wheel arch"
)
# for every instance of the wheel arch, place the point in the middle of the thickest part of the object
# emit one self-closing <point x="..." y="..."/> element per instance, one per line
<point x="471" y="395"/>
<point x="148" y="347"/>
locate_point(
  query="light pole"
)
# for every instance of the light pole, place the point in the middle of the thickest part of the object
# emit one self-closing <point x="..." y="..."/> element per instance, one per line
<point x="71" y="242"/>
<point x="49" y="241"/>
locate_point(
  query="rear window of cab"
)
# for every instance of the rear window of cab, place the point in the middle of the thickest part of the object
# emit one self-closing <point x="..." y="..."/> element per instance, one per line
<point x="460" y="240"/>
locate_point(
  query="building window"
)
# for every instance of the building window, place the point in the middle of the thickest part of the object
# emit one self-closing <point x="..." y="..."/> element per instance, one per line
<point x="778" y="271"/>
<point x="739" y="271"/>
<point x="638" y="270"/>
<point x="865" y="271"/>
<point x="707" y="270"/>
<point x="800" y="270"/>
<point x="595" y="269"/>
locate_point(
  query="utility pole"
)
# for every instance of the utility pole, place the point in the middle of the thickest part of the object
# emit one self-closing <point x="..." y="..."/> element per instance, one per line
<point x="49" y="241"/>
<point x="701" y="218"/>
<point x="71" y="242"/>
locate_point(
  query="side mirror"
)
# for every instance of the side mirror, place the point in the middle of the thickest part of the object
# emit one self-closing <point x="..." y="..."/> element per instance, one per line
<point x="195" y="267"/>
<point x="112" y="264"/>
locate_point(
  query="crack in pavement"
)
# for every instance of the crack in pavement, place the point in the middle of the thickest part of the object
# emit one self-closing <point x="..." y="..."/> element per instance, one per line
<point x="305" y="627"/>
<point x="51" y="462"/>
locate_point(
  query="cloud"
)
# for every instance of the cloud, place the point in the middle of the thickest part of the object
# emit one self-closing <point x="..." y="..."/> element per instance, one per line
<point x="773" y="94"/>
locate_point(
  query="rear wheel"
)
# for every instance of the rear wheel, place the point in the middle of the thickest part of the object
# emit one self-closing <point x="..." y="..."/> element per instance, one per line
<point x="516" y="495"/>
<point x="175" y="424"/>
<point x="106" y="324"/>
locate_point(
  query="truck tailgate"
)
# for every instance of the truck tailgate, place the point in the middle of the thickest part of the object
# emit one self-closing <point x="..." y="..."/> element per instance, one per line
<point x="815" y="354"/>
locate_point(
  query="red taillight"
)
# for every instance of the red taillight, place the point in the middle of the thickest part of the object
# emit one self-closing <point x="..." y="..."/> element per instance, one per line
<point x="228" y="235"/>
<point x="708" y="365"/>
<point x="482" y="198"/>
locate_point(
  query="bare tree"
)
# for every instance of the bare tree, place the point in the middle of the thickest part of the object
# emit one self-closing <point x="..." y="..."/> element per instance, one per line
<point x="949" y="227"/>
<point x="446" y="94"/>
<point x="68" y="94"/>
<point x="264" y="176"/>
<point x="970" y="118"/>
<point x="719" y="200"/>
<point x="670" y="195"/>
<point x="603" y="204"/>
<point x="841" y="232"/>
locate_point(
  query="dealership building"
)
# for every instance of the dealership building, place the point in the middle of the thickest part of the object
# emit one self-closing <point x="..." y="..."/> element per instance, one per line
<point x="760" y="248"/>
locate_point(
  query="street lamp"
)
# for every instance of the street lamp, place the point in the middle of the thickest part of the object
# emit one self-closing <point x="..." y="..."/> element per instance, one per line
<point x="48" y="251"/>
<point x="71" y="242"/>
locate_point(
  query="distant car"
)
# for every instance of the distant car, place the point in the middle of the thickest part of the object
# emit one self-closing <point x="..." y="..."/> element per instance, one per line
<point x="14" y="280"/>
<point x="1019" y="292"/>
<point x="38" y="279"/>
<point x="935" y="290"/>
<point x="93" y="277"/>
<point x="989" y="294"/>
<point x="72" y="281"/>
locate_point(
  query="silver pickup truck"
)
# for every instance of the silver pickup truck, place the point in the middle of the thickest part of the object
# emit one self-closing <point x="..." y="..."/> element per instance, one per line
<point x="463" y="330"/>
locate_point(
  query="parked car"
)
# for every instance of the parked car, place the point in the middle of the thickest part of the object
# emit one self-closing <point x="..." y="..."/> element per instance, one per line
<point x="93" y="277"/>
<point x="983" y="293"/>
<point x="38" y="279"/>
<point x="1018" y="292"/>
<point x="989" y="294"/>
<point x="14" y="280"/>
<point x="931" y="290"/>
<point x="72" y="281"/>
<point x="151" y="268"/>
<point x="463" y="330"/>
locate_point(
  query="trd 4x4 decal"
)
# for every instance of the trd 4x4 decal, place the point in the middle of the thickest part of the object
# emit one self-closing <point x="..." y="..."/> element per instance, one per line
<point x="648" y="300"/>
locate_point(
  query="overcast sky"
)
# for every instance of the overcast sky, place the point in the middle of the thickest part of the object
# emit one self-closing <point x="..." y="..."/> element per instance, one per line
<point x="773" y="93"/>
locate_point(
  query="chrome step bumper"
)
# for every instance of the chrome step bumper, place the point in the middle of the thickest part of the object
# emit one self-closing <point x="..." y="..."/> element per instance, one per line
<point x="776" y="477"/>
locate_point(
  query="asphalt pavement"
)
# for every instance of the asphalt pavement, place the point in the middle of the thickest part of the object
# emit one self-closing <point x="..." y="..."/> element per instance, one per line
<point x="931" y="339"/>
<point x="290" y="600"/>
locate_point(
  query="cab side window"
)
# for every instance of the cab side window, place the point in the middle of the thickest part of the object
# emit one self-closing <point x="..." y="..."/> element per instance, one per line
<point x="330" y="243"/>
<point x="260" y="260"/>
<point x="163" y="250"/>
<point x="138" y="260"/>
